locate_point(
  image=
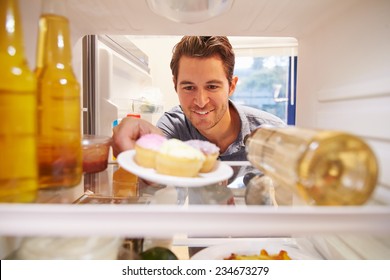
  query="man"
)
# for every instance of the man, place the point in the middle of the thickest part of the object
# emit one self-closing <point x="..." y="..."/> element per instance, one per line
<point x="202" y="69"/>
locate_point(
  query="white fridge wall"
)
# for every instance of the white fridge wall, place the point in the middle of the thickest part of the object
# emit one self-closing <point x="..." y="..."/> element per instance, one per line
<point x="159" y="52"/>
<point x="106" y="110"/>
<point x="343" y="78"/>
<point x="343" y="83"/>
<point x="347" y="59"/>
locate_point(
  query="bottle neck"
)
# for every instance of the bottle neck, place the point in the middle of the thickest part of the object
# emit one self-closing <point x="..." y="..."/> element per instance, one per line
<point x="11" y="37"/>
<point x="54" y="47"/>
<point x="56" y="7"/>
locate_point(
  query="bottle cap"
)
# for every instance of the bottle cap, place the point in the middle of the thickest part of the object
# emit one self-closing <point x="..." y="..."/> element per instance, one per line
<point x="116" y="122"/>
<point x="137" y="116"/>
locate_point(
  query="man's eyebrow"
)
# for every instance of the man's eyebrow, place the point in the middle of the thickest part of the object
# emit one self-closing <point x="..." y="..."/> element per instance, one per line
<point x="184" y="82"/>
<point x="215" y="82"/>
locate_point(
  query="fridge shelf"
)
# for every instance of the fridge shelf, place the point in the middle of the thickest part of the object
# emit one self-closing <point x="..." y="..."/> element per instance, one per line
<point x="193" y="220"/>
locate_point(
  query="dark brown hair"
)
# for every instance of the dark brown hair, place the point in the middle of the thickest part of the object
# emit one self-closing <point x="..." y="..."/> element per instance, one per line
<point x="204" y="47"/>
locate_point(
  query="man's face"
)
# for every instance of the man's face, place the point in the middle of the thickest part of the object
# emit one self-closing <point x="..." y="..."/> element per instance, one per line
<point x="203" y="91"/>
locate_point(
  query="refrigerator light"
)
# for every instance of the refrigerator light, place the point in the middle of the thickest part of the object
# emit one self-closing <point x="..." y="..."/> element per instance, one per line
<point x="189" y="11"/>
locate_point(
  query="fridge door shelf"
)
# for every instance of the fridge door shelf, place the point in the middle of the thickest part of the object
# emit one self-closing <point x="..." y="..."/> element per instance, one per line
<point x="194" y="220"/>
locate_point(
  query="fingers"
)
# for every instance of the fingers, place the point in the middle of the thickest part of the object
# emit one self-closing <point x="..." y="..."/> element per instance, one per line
<point x="124" y="136"/>
<point x="146" y="128"/>
<point x="121" y="143"/>
<point x="127" y="132"/>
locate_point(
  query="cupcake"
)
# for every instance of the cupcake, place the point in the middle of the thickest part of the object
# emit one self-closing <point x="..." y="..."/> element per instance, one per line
<point x="210" y="151"/>
<point x="146" y="148"/>
<point x="177" y="158"/>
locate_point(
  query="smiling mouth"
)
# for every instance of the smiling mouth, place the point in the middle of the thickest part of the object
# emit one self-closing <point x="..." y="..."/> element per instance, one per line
<point x="201" y="113"/>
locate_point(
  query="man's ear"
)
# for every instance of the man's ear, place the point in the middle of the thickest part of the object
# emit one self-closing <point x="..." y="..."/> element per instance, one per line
<point x="233" y="85"/>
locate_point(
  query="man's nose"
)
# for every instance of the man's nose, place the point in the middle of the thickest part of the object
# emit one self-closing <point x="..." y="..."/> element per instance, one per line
<point x="201" y="98"/>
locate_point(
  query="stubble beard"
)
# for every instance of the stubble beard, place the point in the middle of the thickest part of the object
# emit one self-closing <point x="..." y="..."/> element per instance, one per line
<point x="203" y="125"/>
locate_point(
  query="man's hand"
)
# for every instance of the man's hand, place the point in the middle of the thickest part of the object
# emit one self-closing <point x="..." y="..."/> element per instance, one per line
<point x="127" y="132"/>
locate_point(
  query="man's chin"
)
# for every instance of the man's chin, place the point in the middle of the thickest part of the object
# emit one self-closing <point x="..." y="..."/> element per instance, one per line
<point x="202" y="125"/>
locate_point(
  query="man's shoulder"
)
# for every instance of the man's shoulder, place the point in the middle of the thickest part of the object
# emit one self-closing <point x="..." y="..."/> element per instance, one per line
<point x="258" y="116"/>
<point x="176" y="113"/>
<point x="175" y="125"/>
<point x="172" y="120"/>
<point x="175" y="110"/>
<point x="247" y="109"/>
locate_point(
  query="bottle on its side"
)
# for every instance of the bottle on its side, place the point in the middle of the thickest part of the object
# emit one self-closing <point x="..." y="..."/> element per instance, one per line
<point x="323" y="167"/>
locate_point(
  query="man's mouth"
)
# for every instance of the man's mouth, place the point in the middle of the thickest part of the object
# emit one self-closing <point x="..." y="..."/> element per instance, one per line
<point x="201" y="112"/>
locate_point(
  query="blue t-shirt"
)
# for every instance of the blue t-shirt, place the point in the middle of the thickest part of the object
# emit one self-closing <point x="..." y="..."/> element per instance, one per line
<point x="175" y="124"/>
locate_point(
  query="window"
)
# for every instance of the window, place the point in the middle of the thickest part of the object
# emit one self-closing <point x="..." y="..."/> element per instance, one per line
<point x="266" y="68"/>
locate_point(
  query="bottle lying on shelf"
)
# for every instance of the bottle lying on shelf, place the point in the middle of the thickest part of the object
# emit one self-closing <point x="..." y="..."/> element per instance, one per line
<point x="323" y="167"/>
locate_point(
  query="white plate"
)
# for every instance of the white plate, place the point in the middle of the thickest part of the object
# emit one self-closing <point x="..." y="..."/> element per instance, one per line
<point x="220" y="173"/>
<point x="219" y="252"/>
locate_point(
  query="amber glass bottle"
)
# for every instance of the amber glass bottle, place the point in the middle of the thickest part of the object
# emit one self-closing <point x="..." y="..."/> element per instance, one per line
<point x="18" y="139"/>
<point x="324" y="167"/>
<point x="59" y="112"/>
<point x="125" y="183"/>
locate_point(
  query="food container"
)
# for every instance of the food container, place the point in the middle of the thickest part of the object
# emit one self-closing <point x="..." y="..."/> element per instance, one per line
<point x="95" y="153"/>
<point x="69" y="248"/>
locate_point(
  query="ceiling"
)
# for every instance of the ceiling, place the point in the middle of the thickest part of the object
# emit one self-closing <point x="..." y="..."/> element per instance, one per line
<point x="283" y="18"/>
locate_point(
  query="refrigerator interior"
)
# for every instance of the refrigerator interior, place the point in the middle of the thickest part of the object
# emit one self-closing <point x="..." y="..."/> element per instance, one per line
<point x="117" y="82"/>
<point x="342" y="79"/>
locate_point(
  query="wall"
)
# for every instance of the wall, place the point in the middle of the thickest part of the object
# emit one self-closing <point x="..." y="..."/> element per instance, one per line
<point x="344" y="84"/>
<point x="344" y="79"/>
<point x="159" y="61"/>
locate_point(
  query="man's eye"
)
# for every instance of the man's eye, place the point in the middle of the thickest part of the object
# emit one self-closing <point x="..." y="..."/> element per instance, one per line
<point x="189" y="88"/>
<point x="212" y="87"/>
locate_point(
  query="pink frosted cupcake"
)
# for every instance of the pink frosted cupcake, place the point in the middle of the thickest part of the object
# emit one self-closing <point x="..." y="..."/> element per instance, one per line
<point x="146" y="148"/>
<point x="210" y="151"/>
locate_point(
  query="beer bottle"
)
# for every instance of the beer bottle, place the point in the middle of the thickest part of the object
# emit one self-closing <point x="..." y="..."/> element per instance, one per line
<point x="324" y="167"/>
<point x="59" y="111"/>
<point x="18" y="127"/>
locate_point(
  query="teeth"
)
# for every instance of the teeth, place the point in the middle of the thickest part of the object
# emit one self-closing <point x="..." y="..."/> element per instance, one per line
<point x="202" y="113"/>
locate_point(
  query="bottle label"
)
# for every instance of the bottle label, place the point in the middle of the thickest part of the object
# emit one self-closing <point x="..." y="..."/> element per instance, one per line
<point x="277" y="151"/>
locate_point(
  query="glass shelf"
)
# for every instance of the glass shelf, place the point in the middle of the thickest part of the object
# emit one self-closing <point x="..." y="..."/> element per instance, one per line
<point x="215" y="213"/>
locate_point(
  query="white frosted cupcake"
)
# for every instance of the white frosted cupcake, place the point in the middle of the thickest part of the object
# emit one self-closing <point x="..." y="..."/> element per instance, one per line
<point x="210" y="151"/>
<point x="177" y="158"/>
